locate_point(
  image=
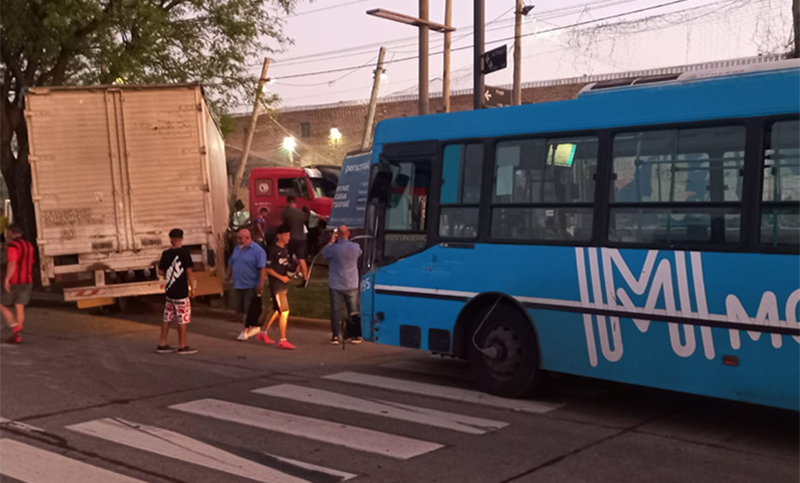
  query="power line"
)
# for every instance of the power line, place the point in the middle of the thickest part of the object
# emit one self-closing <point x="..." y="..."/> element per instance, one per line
<point x="554" y="29"/>
<point x="362" y="49"/>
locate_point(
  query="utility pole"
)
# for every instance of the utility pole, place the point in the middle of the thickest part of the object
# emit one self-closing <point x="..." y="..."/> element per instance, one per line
<point x="479" y="15"/>
<point x="517" y="98"/>
<point x="521" y="11"/>
<point x="373" y="101"/>
<point x="237" y="180"/>
<point x="448" y="16"/>
<point x="423" y="58"/>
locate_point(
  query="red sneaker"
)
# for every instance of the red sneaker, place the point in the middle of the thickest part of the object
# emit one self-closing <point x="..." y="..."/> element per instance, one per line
<point x="262" y="336"/>
<point x="14" y="338"/>
<point x="285" y="344"/>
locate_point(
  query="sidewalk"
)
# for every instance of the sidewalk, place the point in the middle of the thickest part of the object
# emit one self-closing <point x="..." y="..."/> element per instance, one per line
<point x="154" y="303"/>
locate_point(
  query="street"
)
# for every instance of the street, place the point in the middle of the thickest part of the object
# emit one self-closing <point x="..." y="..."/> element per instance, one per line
<point x="86" y="399"/>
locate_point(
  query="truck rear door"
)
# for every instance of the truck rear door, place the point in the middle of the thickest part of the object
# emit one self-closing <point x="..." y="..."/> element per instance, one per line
<point x="165" y="166"/>
<point x="77" y="181"/>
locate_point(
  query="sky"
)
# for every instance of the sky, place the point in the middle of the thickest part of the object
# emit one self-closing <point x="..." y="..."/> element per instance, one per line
<point x="636" y="34"/>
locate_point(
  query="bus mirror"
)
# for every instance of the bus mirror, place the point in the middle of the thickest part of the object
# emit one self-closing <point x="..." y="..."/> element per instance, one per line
<point x="379" y="191"/>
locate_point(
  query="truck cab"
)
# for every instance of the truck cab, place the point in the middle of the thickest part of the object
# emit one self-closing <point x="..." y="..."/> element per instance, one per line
<point x="270" y="188"/>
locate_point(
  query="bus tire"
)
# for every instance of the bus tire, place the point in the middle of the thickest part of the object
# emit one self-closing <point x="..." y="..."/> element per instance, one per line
<point x="511" y="368"/>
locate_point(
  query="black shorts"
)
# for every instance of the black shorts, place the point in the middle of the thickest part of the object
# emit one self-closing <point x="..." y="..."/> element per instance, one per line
<point x="297" y="248"/>
<point x="280" y="302"/>
<point x="244" y="296"/>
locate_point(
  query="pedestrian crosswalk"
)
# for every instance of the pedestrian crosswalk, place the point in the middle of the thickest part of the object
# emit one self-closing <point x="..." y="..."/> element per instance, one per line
<point x="33" y="465"/>
<point x="393" y="410"/>
<point x="180" y="447"/>
<point x="29" y="463"/>
<point x="352" y="437"/>
<point x="444" y="392"/>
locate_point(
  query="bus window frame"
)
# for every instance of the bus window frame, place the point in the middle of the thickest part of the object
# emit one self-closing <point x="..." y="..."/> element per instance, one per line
<point x="439" y="160"/>
<point x="764" y="124"/>
<point x="748" y="207"/>
<point x="739" y="206"/>
<point x="490" y="205"/>
<point x="414" y="152"/>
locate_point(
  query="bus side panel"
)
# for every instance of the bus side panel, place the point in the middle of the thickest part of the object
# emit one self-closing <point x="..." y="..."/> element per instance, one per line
<point x="564" y="287"/>
<point x="765" y="375"/>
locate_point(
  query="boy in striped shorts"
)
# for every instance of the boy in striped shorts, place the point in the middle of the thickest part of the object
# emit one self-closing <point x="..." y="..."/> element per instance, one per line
<point x="176" y="266"/>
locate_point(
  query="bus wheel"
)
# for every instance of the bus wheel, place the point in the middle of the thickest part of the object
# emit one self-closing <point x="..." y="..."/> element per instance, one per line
<point x="502" y="353"/>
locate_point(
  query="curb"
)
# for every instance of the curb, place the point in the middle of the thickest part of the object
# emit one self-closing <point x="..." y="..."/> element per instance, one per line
<point x="45" y="299"/>
<point x="228" y="313"/>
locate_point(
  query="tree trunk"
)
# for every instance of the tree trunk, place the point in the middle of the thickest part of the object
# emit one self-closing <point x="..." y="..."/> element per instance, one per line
<point x="17" y="174"/>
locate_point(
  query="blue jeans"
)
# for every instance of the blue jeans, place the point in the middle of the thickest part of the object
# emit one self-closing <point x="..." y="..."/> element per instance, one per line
<point x="350" y="298"/>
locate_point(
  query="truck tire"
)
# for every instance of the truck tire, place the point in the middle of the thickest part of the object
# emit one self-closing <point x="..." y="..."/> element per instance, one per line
<point x="511" y="369"/>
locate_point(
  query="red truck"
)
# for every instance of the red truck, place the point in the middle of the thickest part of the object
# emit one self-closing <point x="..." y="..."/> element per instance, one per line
<point x="269" y="188"/>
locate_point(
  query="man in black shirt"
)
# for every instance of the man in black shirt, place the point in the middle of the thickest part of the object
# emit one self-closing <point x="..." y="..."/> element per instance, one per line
<point x="176" y="266"/>
<point x="277" y="269"/>
<point x="294" y="218"/>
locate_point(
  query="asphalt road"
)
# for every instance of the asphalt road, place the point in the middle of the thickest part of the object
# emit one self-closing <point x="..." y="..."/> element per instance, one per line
<point x="86" y="399"/>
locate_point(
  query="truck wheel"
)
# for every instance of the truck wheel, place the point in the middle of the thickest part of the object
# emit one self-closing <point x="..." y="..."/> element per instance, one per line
<point x="508" y="366"/>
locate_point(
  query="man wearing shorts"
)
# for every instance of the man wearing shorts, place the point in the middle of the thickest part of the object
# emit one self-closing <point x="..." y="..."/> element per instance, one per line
<point x="247" y="267"/>
<point x="277" y="271"/>
<point x="18" y="281"/>
<point x="176" y="267"/>
<point x="294" y="218"/>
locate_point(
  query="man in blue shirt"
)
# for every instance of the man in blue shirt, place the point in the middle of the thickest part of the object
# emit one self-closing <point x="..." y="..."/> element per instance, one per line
<point x="247" y="267"/>
<point x="342" y="256"/>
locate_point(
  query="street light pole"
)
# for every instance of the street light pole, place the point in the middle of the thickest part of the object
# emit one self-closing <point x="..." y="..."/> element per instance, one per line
<point x="477" y="85"/>
<point x="424" y="26"/>
<point x="423" y="58"/>
<point x="448" y="17"/>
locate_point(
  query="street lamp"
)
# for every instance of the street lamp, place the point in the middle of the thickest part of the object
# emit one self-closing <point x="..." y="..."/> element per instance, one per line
<point x="336" y="136"/>
<point x="424" y="25"/>
<point x="289" y="144"/>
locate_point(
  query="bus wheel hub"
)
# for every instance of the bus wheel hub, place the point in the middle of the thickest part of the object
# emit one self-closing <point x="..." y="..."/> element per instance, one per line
<point x="508" y="351"/>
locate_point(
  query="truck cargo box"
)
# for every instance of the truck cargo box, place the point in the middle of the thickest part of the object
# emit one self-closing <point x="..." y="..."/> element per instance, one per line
<point x="115" y="168"/>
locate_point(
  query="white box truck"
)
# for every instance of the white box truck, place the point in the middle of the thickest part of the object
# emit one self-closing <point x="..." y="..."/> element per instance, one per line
<point x="115" y="168"/>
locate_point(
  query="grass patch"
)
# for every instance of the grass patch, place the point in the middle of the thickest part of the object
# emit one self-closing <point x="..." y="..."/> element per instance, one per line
<point x="313" y="301"/>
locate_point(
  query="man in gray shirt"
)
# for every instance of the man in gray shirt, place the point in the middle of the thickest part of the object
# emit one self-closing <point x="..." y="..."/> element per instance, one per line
<point x="342" y="256"/>
<point x="295" y="219"/>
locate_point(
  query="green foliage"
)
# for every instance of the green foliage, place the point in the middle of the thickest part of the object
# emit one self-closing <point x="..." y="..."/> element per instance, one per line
<point x="227" y="124"/>
<point x="216" y="42"/>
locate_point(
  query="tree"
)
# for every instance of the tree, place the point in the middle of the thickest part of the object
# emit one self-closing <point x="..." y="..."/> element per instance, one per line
<point x="73" y="42"/>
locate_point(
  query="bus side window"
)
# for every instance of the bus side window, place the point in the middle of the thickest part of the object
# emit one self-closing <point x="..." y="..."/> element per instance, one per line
<point x="462" y="168"/>
<point x="780" y="197"/>
<point x="549" y="185"/>
<point x="691" y="166"/>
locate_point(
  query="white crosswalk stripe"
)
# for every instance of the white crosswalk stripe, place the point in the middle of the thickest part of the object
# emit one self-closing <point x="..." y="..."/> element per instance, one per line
<point x="362" y="439"/>
<point x="177" y="446"/>
<point x="444" y="392"/>
<point x="392" y="410"/>
<point x="33" y="465"/>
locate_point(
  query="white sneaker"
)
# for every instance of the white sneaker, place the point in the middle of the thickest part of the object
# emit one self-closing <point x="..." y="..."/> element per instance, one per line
<point x="253" y="331"/>
<point x="243" y="335"/>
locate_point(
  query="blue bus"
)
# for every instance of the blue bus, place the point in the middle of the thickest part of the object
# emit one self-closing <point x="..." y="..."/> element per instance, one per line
<point x="643" y="234"/>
